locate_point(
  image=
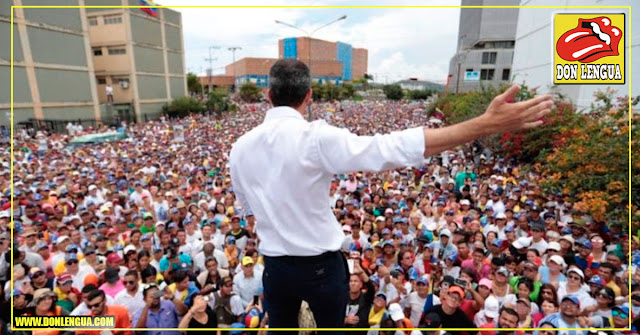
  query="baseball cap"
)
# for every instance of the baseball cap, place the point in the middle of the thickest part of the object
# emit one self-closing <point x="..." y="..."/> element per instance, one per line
<point x="501" y="216"/>
<point x="422" y="280"/>
<point x="231" y="240"/>
<point x="246" y="260"/>
<point x="568" y="238"/>
<point x="584" y="242"/>
<point x="396" y="313"/>
<point x="558" y="260"/>
<point x="113" y="258"/>
<point x="386" y="231"/>
<point x="445" y="232"/>
<point x="530" y="265"/>
<point x="554" y="246"/>
<point x="70" y="257"/>
<point x="524" y="301"/>
<point x="486" y="282"/>
<point x="346" y="228"/>
<point x="456" y="289"/>
<point x="503" y="270"/>
<point x="491" y="306"/>
<point x="522" y="242"/>
<point x="576" y="271"/>
<point x="596" y="280"/>
<point x="573" y="299"/>
<point x="64" y="278"/>
<point x="381" y="295"/>
<point x="432" y="320"/>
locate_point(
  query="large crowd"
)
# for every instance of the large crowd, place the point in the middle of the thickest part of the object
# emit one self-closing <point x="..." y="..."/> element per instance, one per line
<point x="148" y="229"/>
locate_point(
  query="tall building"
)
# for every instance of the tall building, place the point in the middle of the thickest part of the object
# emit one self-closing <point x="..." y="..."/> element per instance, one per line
<point x="140" y="54"/>
<point x="533" y="62"/>
<point x="486" y="39"/>
<point x="53" y="74"/>
<point x="321" y="54"/>
<point x="65" y="57"/>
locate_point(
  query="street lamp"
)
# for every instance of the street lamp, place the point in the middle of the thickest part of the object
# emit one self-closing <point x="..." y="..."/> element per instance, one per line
<point x="309" y="36"/>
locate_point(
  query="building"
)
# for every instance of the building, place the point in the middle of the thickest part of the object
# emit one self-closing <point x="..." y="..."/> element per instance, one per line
<point x="65" y="57"/>
<point x="140" y="54"/>
<point x="486" y="40"/>
<point x="413" y="84"/>
<point x="533" y="62"/>
<point x="321" y="57"/>
<point x="53" y="74"/>
<point x="217" y="81"/>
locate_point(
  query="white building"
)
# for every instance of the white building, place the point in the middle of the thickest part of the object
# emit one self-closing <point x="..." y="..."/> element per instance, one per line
<point x="533" y="56"/>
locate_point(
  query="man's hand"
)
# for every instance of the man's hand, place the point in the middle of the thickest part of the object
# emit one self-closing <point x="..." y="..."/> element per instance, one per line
<point x="505" y="115"/>
<point x="502" y="115"/>
<point x="351" y="320"/>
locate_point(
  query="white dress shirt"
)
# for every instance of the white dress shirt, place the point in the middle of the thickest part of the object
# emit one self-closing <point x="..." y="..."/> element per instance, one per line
<point x="132" y="303"/>
<point x="281" y="171"/>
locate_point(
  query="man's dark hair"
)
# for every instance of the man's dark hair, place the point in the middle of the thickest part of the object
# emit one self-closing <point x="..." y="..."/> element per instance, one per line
<point x="180" y="275"/>
<point x="88" y="288"/>
<point x="133" y="273"/>
<point x="95" y="294"/>
<point x="289" y="81"/>
<point x="510" y="311"/>
<point x="609" y="266"/>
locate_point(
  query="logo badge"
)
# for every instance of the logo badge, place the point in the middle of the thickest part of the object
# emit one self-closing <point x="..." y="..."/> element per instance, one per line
<point x="589" y="49"/>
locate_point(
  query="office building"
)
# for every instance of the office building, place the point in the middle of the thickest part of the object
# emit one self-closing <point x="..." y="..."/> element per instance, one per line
<point x="486" y="40"/>
<point x="533" y="62"/>
<point x="53" y="74"/>
<point x="322" y="57"/>
<point x="140" y="54"/>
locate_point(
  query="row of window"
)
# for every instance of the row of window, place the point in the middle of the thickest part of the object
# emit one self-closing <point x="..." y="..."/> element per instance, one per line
<point x="488" y="74"/>
<point x="110" y="51"/>
<point x="112" y="19"/>
<point x="103" y="80"/>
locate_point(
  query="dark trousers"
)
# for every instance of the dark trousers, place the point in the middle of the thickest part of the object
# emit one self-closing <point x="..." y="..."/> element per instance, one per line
<point x="322" y="281"/>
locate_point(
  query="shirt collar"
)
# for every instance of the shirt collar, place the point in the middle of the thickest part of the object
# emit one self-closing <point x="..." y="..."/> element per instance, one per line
<point x="282" y="112"/>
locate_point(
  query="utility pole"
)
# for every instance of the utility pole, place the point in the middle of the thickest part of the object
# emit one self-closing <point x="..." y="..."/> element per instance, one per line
<point x="233" y="52"/>
<point x="210" y="69"/>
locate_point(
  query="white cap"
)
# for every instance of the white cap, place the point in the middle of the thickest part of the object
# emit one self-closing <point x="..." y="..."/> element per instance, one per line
<point x="558" y="260"/>
<point x="445" y="232"/>
<point x="554" y="246"/>
<point x="129" y="248"/>
<point x="501" y="216"/>
<point x="491" y="307"/>
<point x="523" y="242"/>
<point x="465" y="202"/>
<point x="568" y="238"/>
<point x="396" y="312"/>
<point x="92" y="187"/>
<point x="577" y="271"/>
<point x="553" y="235"/>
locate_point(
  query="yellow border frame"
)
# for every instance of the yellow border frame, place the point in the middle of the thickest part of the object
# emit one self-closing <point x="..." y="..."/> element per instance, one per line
<point x="323" y="329"/>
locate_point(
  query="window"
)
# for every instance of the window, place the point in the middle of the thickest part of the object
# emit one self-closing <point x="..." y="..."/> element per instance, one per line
<point x="506" y="73"/>
<point x="117" y="51"/>
<point x="122" y="80"/>
<point x="113" y="19"/>
<point x="486" y="74"/>
<point x="469" y="70"/>
<point x="102" y="81"/>
<point x="489" y="57"/>
<point x="93" y="21"/>
<point x="97" y="52"/>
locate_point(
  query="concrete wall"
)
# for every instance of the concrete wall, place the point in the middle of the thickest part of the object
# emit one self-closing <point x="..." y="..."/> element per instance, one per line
<point x="175" y="62"/>
<point x="148" y="59"/>
<point x="68" y="18"/>
<point x="173" y="37"/>
<point x="21" y="92"/>
<point x="177" y="85"/>
<point x="107" y="34"/>
<point x="53" y="47"/>
<point x="145" y="30"/>
<point x="152" y="87"/>
<point x="533" y="62"/>
<point x="101" y="3"/>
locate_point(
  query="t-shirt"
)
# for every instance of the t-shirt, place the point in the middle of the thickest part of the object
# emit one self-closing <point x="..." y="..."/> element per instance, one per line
<point x="456" y="320"/>
<point x="416" y="305"/>
<point x="212" y="322"/>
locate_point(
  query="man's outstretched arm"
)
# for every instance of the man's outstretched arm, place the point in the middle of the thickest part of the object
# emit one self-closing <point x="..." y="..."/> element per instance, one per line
<point x="501" y="116"/>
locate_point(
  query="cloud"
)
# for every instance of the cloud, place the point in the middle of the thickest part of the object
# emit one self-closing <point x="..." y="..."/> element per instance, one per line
<point x="421" y="40"/>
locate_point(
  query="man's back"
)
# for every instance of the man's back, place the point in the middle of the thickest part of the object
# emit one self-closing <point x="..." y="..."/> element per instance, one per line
<point x="281" y="170"/>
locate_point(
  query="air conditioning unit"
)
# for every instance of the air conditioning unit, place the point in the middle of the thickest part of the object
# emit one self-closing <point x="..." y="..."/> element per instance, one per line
<point x="124" y="84"/>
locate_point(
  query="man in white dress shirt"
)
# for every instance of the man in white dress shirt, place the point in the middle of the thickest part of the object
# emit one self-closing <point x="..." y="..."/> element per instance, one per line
<point x="281" y="171"/>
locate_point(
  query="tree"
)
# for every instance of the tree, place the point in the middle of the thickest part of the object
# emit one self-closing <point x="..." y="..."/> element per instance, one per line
<point x="193" y="83"/>
<point x="249" y="92"/>
<point x="217" y="101"/>
<point x="393" y="92"/>
<point x="183" y="106"/>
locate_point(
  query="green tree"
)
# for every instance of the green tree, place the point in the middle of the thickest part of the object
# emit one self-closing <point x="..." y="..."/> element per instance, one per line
<point x="393" y="92"/>
<point x="217" y="101"/>
<point x="250" y="92"/>
<point x="183" y="106"/>
<point x="193" y="84"/>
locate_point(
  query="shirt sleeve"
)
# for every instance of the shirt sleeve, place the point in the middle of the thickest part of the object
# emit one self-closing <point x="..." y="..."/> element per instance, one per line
<point x="338" y="151"/>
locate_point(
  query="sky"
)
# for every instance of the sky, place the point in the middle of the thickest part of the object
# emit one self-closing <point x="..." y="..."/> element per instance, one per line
<point x="402" y="42"/>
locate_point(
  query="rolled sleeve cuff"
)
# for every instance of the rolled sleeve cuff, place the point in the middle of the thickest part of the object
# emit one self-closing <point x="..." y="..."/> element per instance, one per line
<point x="414" y="144"/>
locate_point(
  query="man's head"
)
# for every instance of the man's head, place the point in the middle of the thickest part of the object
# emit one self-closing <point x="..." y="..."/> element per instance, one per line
<point x="182" y="280"/>
<point x="355" y="284"/>
<point x="289" y="84"/>
<point x="97" y="302"/>
<point x="508" y="318"/>
<point x="570" y="306"/>
<point x="131" y="280"/>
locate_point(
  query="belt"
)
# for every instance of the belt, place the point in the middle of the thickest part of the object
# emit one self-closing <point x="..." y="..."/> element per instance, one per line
<point x="304" y="259"/>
